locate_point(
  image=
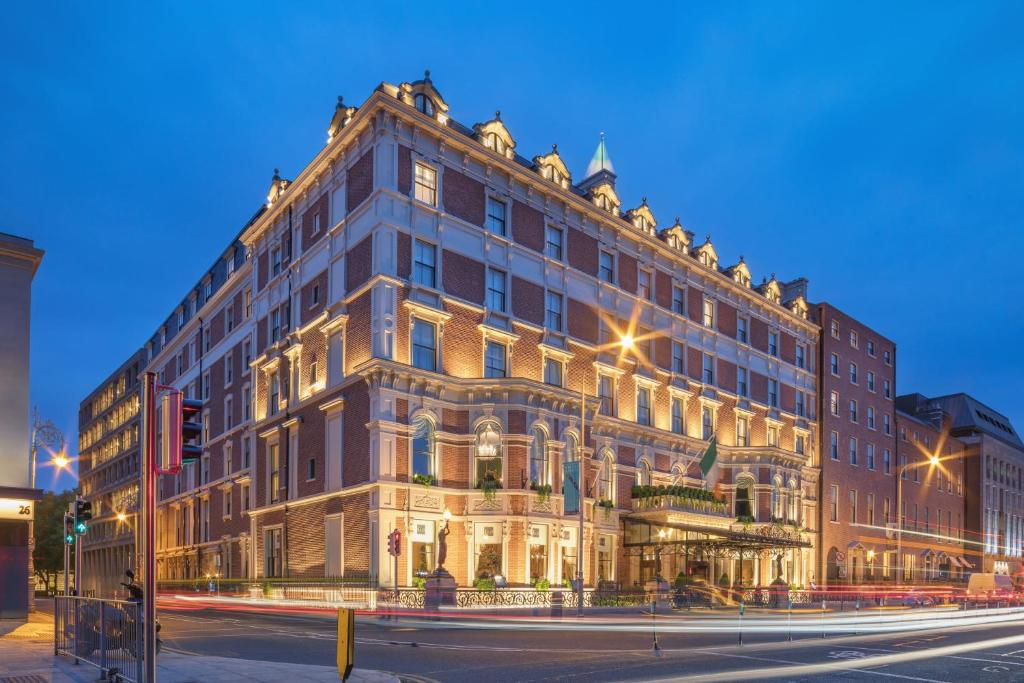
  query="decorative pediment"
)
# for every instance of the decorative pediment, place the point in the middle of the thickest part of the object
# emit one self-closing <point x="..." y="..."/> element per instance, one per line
<point x="277" y="187"/>
<point x="495" y="136"/>
<point x="706" y="254"/>
<point x="739" y="273"/>
<point x="771" y="290"/>
<point x="676" y="237"/>
<point x="604" y="198"/>
<point x="425" y="98"/>
<point x="551" y="167"/>
<point x="342" y="115"/>
<point x="799" y="306"/>
<point x="642" y="218"/>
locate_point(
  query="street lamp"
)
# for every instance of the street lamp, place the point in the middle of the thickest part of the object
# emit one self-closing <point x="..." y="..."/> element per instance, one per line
<point x="625" y="343"/>
<point x="932" y="461"/>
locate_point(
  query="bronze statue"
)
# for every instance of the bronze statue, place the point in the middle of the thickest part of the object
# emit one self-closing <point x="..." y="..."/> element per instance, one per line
<point x="442" y="548"/>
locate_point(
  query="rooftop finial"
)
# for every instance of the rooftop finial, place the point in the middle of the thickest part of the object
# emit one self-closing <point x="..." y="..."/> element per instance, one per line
<point x="497" y="115"/>
<point x="707" y="238"/>
<point x="600" y="161"/>
<point x="677" y="220"/>
<point x="644" y="201"/>
<point x="554" y="148"/>
<point x="741" y="258"/>
<point x="277" y="173"/>
<point x="341" y="101"/>
<point x="426" y="74"/>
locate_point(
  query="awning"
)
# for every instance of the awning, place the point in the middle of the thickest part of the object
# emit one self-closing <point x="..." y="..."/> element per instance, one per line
<point x="964" y="563"/>
<point x="926" y="552"/>
<point x="954" y="562"/>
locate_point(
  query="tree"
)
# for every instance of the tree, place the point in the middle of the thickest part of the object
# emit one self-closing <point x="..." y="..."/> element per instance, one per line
<point x="48" y="555"/>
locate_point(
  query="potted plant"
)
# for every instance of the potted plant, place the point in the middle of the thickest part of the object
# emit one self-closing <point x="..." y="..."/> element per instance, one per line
<point x="488" y="485"/>
<point x="424" y="479"/>
<point x="543" y="491"/>
<point x="541" y="584"/>
<point x="606" y="505"/>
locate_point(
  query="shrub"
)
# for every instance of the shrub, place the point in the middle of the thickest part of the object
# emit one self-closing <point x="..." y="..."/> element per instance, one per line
<point x="484" y="584"/>
<point x="542" y="584"/>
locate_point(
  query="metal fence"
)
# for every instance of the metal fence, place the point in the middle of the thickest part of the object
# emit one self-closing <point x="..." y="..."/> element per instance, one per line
<point x="106" y="634"/>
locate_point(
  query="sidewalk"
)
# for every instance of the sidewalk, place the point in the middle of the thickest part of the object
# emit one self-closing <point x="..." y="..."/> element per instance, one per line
<point x="26" y="654"/>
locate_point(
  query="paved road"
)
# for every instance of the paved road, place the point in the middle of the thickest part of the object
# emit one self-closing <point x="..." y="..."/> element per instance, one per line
<point x="536" y="650"/>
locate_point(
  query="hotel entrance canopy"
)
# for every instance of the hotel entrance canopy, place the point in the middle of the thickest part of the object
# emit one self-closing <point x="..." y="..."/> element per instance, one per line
<point x="667" y="533"/>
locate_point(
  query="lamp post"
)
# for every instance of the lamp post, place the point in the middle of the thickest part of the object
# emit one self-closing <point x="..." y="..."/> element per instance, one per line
<point x="44" y="434"/>
<point x="626" y="344"/>
<point x="933" y="461"/>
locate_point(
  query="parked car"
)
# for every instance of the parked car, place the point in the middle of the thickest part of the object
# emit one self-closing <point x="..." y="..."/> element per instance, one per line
<point x="915" y="597"/>
<point x="988" y="587"/>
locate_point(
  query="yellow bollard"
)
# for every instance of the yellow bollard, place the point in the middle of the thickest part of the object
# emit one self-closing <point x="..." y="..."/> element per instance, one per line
<point x="346" y="641"/>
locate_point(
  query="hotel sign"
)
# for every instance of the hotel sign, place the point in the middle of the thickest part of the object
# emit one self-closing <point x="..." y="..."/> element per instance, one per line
<point x="16" y="508"/>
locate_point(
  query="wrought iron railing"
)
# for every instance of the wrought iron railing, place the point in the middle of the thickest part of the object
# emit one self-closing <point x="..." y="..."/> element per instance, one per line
<point x="107" y="634"/>
<point x="679" y="502"/>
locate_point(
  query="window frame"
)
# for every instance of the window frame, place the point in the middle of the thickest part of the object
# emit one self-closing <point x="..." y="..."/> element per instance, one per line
<point x="424" y="191"/>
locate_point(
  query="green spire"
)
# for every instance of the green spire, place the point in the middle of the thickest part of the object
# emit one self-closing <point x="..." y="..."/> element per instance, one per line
<point x="600" y="161"/>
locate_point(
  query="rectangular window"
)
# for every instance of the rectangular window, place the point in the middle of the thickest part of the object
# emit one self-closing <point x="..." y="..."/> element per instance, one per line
<point x="886" y="510"/>
<point x="799" y="444"/>
<point x="853" y="506"/>
<point x="886" y="389"/>
<point x="869" y="452"/>
<point x="606" y="266"/>
<point x="246" y="452"/>
<point x="424" y="345"/>
<point x="871" y="348"/>
<point x="229" y="317"/>
<point x="553" y="311"/>
<point x="707" y="423"/>
<point x="246" y="355"/>
<point x="833" y="403"/>
<point x="606" y="393"/>
<point x="800" y="409"/>
<point x="644" y="288"/>
<point x="679" y="300"/>
<point x="496" y="290"/>
<point x="274" y="402"/>
<point x="834" y="364"/>
<point x="773" y="343"/>
<point x="871" y="509"/>
<point x="643" y="406"/>
<point x="229" y="413"/>
<point x="678" y="416"/>
<point x="246" y="402"/>
<point x="887" y="461"/>
<point x="871" y="381"/>
<point x="801" y="357"/>
<point x="229" y="369"/>
<point x="854" y="339"/>
<point x="247" y="303"/>
<point x="272" y="553"/>
<point x="275" y="324"/>
<point x="773" y="435"/>
<point x="552" y="372"/>
<point x="742" y="334"/>
<point x="275" y="261"/>
<point x="853" y="410"/>
<point x="709" y="369"/>
<point x="426" y="184"/>
<point x="853" y="373"/>
<point x="709" y="313"/>
<point x="886" y="358"/>
<point x="311" y="469"/>
<point x="424" y="265"/>
<point x="853" y="450"/>
<point x="833" y="503"/>
<point x="742" y="431"/>
<point x="316" y="222"/>
<point x="833" y="445"/>
<point x="274" y="471"/>
<point x="553" y="243"/>
<point x="773" y="393"/>
<point x="496" y="216"/>
<point x="742" y="387"/>
<point x="886" y="423"/>
<point x="494" y="360"/>
<point x="678" y="358"/>
<point x="206" y="385"/>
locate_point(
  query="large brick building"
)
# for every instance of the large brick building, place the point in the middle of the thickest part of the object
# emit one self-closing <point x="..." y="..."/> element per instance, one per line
<point x="409" y="334"/>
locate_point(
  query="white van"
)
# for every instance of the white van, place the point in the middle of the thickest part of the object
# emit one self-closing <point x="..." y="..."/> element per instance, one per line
<point x="989" y="586"/>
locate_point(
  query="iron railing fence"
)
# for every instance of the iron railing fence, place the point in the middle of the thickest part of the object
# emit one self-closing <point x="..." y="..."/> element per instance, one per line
<point x="106" y="634"/>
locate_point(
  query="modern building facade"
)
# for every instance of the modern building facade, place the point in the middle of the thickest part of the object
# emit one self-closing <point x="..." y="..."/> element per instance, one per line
<point x="993" y="480"/>
<point x="402" y="339"/>
<point x="933" y="500"/>
<point x="19" y="261"/>
<point x="858" y="445"/>
<point x="108" y="469"/>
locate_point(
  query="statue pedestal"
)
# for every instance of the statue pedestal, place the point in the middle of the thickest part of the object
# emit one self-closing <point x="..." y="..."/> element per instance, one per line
<point x="440" y="590"/>
<point x="659" y="592"/>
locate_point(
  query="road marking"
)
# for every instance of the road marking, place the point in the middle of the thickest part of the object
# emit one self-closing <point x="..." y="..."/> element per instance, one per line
<point x="793" y="669"/>
<point x="1015" y="653"/>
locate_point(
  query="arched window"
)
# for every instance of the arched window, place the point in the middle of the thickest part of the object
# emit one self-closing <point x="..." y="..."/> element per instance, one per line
<point x="539" y="457"/>
<point x="794" y="502"/>
<point x="777" y="504"/>
<point x="744" y="497"/>
<point x="488" y="453"/>
<point x="643" y="474"/>
<point x="572" y="452"/>
<point x="492" y="141"/>
<point x="423" y="448"/>
<point x="424" y="104"/>
<point x="605" y="489"/>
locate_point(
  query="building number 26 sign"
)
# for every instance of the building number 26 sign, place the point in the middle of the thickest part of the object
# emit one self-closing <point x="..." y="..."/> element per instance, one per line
<point x="15" y="508"/>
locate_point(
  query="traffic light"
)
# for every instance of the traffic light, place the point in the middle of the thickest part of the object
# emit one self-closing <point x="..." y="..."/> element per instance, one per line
<point x="395" y="543"/>
<point x="69" y="529"/>
<point x="191" y="430"/>
<point x="83" y="513"/>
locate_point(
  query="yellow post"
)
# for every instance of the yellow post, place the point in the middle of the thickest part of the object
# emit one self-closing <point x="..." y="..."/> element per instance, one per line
<point x="346" y="641"/>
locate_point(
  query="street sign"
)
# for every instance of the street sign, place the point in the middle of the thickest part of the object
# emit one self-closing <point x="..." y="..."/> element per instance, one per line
<point x="346" y="641"/>
<point x="16" y="508"/>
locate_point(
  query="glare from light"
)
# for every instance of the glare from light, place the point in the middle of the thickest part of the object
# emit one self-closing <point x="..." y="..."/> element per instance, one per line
<point x="627" y="342"/>
<point x="934" y="460"/>
<point x="60" y="461"/>
<point x="121" y="517"/>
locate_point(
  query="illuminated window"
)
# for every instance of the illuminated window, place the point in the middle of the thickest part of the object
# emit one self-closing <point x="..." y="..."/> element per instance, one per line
<point x="742" y="431"/>
<point x="424" y="345"/>
<point x="678" y="416"/>
<point x="488" y="454"/>
<point x="553" y="372"/>
<point x="643" y="405"/>
<point x="553" y="243"/>
<point x="644" y="287"/>
<point x="426" y="184"/>
<point x="495" y="360"/>
<point x="679" y="300"/>
<point x="423" y="447"/>
<point x="539" y="457"/>
<point x="707" y="423"/>
<point x="606" y="394"/>
<point x="709" y="313"/>
<point x="423" y="104"/>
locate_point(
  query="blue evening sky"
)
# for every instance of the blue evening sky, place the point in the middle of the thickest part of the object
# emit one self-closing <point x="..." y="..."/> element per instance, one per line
<point x="875" y="148"/>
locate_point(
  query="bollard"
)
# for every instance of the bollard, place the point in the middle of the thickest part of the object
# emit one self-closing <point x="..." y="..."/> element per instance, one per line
<point x="791" y="619"/>
<point x="823" y="617"/>
<point x="654" y="628"/>
<point x="856" y="616"/>
<point x="741" y="621"/>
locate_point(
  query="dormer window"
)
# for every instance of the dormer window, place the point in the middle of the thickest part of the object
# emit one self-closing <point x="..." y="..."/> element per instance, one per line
<point x="424" y="104"/>
<point x="492" y="141"/>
